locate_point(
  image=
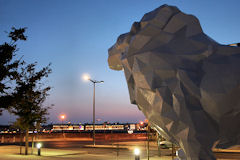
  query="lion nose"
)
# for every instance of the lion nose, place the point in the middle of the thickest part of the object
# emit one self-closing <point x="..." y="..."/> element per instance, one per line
<point x="114" y="59"/>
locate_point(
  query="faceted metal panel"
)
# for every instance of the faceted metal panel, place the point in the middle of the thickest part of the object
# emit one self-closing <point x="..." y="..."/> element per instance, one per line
<point x="186" y="84"/>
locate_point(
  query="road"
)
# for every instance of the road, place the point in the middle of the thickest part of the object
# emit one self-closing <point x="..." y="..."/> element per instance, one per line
<point x="65" y="144"/>
<point x="79" y="144"/>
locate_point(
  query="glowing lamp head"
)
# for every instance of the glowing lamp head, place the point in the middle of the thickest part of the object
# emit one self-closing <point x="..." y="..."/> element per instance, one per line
<point x="136" y="151"/>
<point x="85" y="77"/>
<point x="62" y="116"/>
<point x="39" y="145"/>
<point x="141" y="122"/>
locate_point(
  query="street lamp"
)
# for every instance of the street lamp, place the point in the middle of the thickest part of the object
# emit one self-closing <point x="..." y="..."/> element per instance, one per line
<point x="87" y="77"/>
<point x="39" y="145"/>
<point x="137" y="154"/>
<point x="62" y="117"/>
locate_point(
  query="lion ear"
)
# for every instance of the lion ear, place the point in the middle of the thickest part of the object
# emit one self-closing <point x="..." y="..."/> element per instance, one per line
<point x="136" y="26"/>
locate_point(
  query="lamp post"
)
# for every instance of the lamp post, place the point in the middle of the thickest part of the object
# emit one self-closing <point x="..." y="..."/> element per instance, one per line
<point x="137" y="154"/>
<point x="39" y="145"/>
<point x="87" y="77"/>
<point x="62" y="117"/>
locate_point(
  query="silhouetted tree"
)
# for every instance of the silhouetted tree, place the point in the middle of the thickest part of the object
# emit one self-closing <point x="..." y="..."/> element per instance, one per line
<point x="8" y="66"/>
<point x="22" y="91"/>
<point x="29" y="95"/>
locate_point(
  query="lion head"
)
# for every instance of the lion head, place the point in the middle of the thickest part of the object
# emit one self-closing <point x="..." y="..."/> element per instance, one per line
<point x="185" y="83"/>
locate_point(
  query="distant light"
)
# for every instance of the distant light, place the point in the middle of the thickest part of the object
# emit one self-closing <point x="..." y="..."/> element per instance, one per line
<point x="136" y="151"/>
<point x="62" y="116"/>
<point x="130" y="131"/>
<point x="141" y="122"/>
<point x="98" y="120"/>
<point x="85" y="77"/>
<point x="39" y="145"/>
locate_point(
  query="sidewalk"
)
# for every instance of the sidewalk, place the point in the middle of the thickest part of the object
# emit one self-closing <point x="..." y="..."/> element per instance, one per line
<point x="11" y="152"/>
<point x="90" y="152"/>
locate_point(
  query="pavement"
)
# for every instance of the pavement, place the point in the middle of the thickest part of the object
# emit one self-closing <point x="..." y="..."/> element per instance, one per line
<point x="118" y="151"/>
<point x="11" y="152"/>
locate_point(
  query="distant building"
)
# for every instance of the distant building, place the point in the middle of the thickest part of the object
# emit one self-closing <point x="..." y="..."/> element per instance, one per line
<point x="117" y="127"/>
<point x="132" y="126"/>
<point x="67" y="127"/>
<point x="89" y="127"/>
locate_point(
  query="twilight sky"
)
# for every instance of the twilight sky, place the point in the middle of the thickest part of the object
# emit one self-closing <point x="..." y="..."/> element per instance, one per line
<point x="74" y="35"/>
